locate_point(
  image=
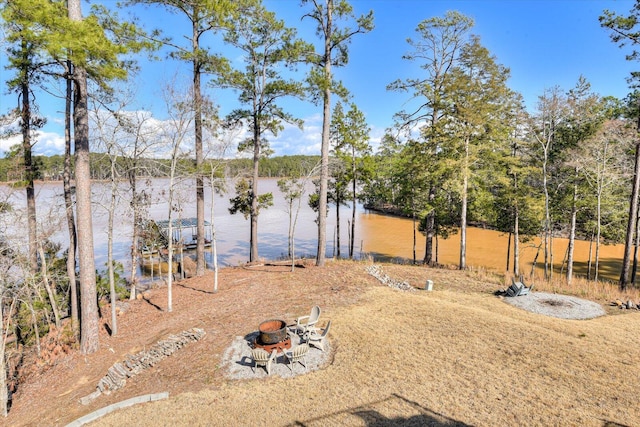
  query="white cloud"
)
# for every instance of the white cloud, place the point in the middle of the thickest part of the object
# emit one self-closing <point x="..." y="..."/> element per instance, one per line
<point x="46" y="143"/>
<point x="292" y="140"/>
<point x="7" y="143"/>
<point x="375" y="138"/>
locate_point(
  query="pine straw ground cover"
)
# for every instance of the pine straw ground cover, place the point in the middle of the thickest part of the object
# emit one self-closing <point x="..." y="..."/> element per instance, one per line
<point x="455" y="356"/>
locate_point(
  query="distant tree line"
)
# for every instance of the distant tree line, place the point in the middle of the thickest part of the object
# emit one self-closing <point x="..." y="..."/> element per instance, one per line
<point x="51" y="168"/>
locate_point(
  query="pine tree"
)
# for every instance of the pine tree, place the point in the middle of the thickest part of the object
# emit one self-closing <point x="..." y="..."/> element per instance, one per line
<point x="477" y="95"/>
<point x="205" y="16"/>
<point x="333" y="53"/>
<point x="436" y="49"/>
<point x="267" y="45"/>
<point x="350" y="135"/>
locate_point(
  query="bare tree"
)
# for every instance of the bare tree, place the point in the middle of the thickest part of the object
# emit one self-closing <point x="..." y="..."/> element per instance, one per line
<point x="544" y="126"/>
<point x="217" y="148"/>
<point x="139" y="141"/>
<point x="69" y="205"/>
<point x="49" y="224"/>
<point x="7" y="300"/>
<point x="599" y="159"/>
<point x="174" y="134"/>
<point x="107" y="130"/>
<point x="294" y="189"/>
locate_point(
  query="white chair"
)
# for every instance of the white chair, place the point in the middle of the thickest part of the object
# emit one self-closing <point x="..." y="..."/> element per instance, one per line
<point x="297" y="354"/>
<point x="317" y="339"/>
<point x="305" y="324"/>
<point x="261" y="357"/>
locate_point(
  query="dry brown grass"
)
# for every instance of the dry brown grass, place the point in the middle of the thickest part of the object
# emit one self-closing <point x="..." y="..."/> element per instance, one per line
<point x="455" y="356"/>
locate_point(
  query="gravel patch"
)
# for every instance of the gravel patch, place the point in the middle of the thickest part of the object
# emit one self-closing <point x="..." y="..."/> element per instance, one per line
<point x="560" y="306"/>
<point x="238" y="364"/>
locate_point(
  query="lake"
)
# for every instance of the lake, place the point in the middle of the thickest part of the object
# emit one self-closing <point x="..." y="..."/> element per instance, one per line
<point x="376" y="235"/>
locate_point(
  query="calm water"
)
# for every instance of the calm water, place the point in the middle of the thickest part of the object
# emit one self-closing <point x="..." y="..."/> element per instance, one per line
<point x="376" y="235"/>
<point x="392" y="237"/>
<point x="232" y="231"/>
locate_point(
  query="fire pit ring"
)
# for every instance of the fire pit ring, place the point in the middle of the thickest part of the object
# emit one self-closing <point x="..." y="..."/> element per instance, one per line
<point x="273" y="331"/>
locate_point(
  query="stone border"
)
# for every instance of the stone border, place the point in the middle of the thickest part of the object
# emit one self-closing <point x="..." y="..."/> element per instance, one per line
<point x="119" y="405"/>
<point x="117" y="374"/>
<point x="375" y="270"/>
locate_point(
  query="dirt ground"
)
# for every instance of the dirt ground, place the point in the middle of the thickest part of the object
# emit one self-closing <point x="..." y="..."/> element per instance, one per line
<point x="455" y="356"/>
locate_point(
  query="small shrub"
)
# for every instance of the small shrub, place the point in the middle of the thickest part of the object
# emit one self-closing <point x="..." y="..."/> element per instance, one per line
<point x="102" y="283"/>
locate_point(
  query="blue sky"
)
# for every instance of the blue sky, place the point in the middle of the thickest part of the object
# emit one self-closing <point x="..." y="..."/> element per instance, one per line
<point x="545" y="43"/>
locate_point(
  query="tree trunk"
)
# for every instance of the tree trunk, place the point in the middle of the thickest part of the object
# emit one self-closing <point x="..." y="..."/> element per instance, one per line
<point x="4" y="391"/>
<point x="353" y="204"/>
<point x="47" y="285"/>
<point x="170" y="261"/>
<point x="29" y="171"/>
<point x="572" y="230"/>
<point x="589" y="264"/>
<point x="324" y="150"/>
<point x="631" y="223"/>
<point x="110" y="260"/>
<point x="516" y="241"/>
<point x="636" y="245"/>
<point x="551" y="258"/>
<point x="253" y="251"/>
<point x="337" y="240"/>
<point x="290" y="230"/>
<point x="508" y="251"/>
<point x="68" y="204"/>
<point x="172" y="174"/>
<point x="413" y="221"/>
<point x="463" y="209"/>
<point x="89" y="341"/>
<point x="214" y="248"/>
<point x="135" y="249"/>
<point x="430" y="229"/>
<point x="547" y="219"/>
<point x="598" y="233"/>
<point x="197" y="100"/>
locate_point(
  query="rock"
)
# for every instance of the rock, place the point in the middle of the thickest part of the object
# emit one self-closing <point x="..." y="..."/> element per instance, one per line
<point x="117" y="374"/>
<point x="122" y="307"/>
<point x="630" y="304"/>
<point x="376" y="271"/>
<point x="188" y="267"/>
<point x="89" y="398"/>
